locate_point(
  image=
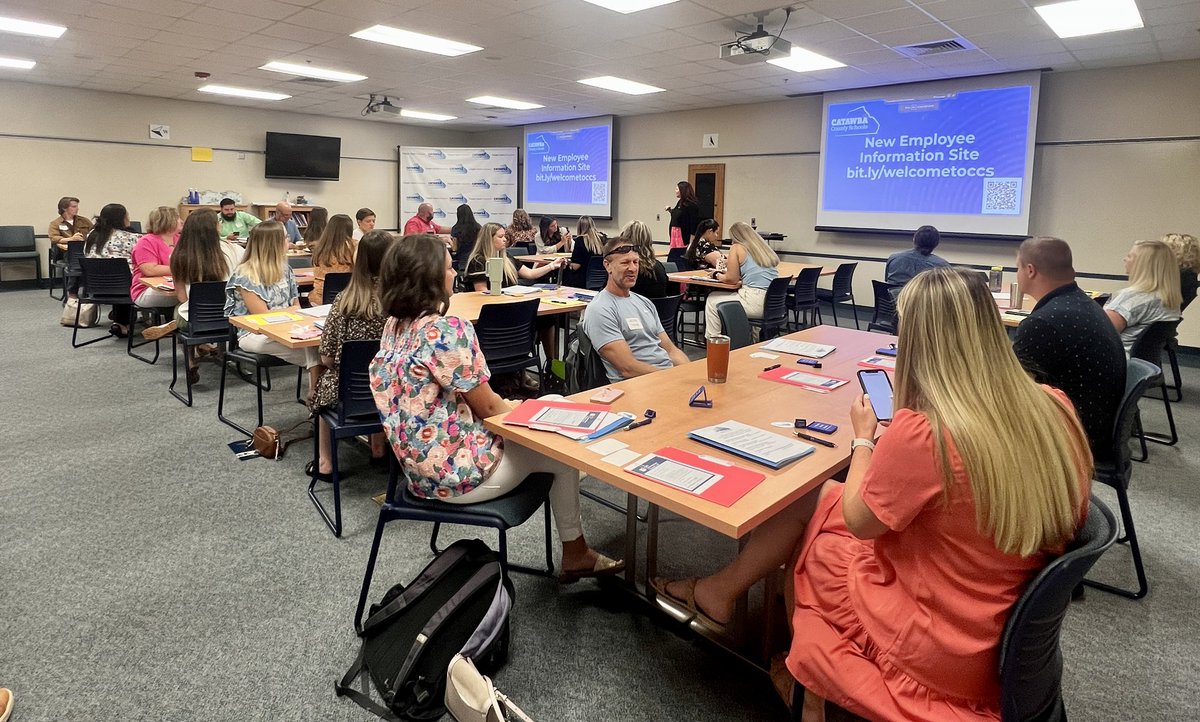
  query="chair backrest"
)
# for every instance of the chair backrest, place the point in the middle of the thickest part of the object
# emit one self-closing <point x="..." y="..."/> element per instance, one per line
<point x="517" y="250"/>
<point x="17" y="238"/>
<point x="1030" y="657"/>
<point x="775" y="304"/>
<point x="106" y="280"/>
<point x="670" y="267"/>
<point x="1153" y="341"/>
<point x="529" y="248"/>
<point x="597" y="276"/>
<point x="734" y="323"/>
<point x="675" y="255"/>
<point x="74" y="253"/>
<point x="354" y="379"/>
<point x="335" y="283"/>
<point x="507" y="331"/>
<point x="135" y="227"/>
<point x="884" y="317"/>
<point x="206" y="308"/>
<point x="843" y="280"/>
<point x="806" y="286"/>
<point x="585" y="367"/>
<point x="1139" y="374"/>
<point x="668" y="313"/>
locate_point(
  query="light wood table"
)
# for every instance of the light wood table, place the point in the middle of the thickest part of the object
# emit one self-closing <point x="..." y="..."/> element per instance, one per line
<point x="1027" y="304"/>
<point x="538" y="259"/>
<point x="785" y="268"/>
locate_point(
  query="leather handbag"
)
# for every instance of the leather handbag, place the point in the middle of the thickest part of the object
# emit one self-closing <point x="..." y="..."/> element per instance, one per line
<point x="268" y="441"/>
<point x="471" y="697"/>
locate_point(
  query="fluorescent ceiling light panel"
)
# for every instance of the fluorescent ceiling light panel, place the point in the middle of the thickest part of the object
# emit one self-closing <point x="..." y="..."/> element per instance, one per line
<point x="1077" y="18"/>
<point x="414" y="41"/>
<point x="503" y="102"/>
<point x="805" y="61"/>
<point x="26" y="27"/>
<point x="308" y="71"/>
<point x="621" y="85"/>
<point x="18" y="64"/>
<point x="422" y="115"/>
<point x="630" y="6"/>
<point x="242" y="92"/>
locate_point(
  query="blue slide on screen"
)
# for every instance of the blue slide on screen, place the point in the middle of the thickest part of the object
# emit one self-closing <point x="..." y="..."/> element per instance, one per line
<point x="568" y="168"/>
<point x="959" y="158"/>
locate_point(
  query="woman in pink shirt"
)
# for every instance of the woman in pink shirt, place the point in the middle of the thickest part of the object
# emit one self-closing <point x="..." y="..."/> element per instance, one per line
<point x="152" y="257"/>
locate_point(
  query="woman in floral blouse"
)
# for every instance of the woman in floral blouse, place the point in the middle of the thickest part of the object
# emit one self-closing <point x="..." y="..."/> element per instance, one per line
<point x="430" y="382"/>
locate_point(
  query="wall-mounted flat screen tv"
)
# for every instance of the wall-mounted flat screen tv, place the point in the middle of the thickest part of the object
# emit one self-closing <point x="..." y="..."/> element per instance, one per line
<point x="307" y="157"/>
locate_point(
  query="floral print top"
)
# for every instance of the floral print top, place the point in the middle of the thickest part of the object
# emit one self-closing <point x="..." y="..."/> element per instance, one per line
<point x="418" y="378"/>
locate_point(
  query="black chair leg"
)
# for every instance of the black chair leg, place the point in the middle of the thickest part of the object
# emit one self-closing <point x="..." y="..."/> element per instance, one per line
<point x="75" y="342"/>
<point x="187" y="400"/>
<point x="437" y="527"/>
<point x="366" y="585"/>
<point x="1141" y="436"/>
<point x="854" y="308"/>
<point x="335" y="522"/>
<point x="156" y="316"/>
<point x="1135" y="551"/>
<point x="1165" y="439"/>
<point x="221" y="404"/>
<point x="833" y="310"/>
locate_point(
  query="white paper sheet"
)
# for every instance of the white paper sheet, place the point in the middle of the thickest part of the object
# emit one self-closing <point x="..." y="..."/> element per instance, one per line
<point x="620" y="458"/>
<point x="799" y="348"/>
<point x="605" y="447"/>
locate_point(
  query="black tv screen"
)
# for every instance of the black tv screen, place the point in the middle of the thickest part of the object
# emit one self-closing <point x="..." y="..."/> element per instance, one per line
<point x="311" y="157"/>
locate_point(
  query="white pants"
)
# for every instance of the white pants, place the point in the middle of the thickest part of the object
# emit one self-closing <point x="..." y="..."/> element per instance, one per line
<point x="257" y="343"/>
<point x="752" y="300"/>
<point x="154" y="298"/>
<point x="517" y="462"/>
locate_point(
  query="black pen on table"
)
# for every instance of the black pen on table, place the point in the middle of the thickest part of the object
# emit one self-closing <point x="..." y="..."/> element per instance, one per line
<point x="815" y="440"/>
<point x="636" y="424"/>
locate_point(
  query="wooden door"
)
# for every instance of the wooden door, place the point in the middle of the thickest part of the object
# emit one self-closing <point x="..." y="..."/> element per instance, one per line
<point x="709" y="181"/>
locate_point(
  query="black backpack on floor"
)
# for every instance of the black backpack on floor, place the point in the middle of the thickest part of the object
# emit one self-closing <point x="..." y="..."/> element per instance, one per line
<point x="457" y="604"/>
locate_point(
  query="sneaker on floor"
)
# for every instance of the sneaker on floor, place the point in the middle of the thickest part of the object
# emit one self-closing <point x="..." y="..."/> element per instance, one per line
<point x="154" y="333"/>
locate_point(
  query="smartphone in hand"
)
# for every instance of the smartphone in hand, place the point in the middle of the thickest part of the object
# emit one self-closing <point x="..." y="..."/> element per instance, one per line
<point x="878" y="388"/>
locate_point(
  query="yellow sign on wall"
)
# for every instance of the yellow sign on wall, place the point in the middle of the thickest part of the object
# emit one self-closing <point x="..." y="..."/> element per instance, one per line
<point x="202" y="155"/>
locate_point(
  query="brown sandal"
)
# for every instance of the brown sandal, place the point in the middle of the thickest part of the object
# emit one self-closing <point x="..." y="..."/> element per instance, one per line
<point x="603" y="567"/>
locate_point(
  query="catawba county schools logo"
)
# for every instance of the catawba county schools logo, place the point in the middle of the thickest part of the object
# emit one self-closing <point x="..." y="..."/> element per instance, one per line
<point x="415" y="168"/>
<point x="439" y="213"/>
<point x="503" y="169"/>
<point x="481" y="183"/>
<point x="439" y="183"/>
<point x="459" y="198"/>
<point x="503" y="199"/>
<point x="437" y="154"/>
<point x="460" y="169"/>
<point x="856" y="121"/>
<point x="482" y="155"/>
<point x="482" y="213"/>
<point x="415" y="198"/>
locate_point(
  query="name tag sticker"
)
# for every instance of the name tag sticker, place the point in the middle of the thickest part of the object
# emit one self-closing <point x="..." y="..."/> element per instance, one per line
<point x="634" y="324"/>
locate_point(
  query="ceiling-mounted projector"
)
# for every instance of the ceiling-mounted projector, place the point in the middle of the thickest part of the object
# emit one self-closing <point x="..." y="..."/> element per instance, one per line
<point x="757" y="47"/>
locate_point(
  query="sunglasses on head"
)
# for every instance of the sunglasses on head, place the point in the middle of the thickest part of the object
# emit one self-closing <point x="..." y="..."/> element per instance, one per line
<point x="619" y="249"/>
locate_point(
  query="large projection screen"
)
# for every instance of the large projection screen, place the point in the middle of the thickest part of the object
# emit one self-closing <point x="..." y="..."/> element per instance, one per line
<point x="568" y="168"/>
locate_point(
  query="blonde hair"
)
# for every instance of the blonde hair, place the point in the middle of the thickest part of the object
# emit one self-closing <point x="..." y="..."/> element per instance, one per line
<point x="485" y="249"/>
<point x="163" y="221"/>
<point x="758" y="249"/>
<point x="591" y="237"/>
<point x="266" y="253"/>
<point x="638" y="234"/>
<point x="1154" y="269"/>
<point x="1186" y="250"/>
<point x="1024" y="452"/>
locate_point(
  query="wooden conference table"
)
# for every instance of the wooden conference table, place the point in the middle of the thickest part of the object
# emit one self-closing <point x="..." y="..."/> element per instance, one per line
<point x="304" y="279"/>
<point x="745" y="398"/>
<point x="702" y="278"/>
<point x="1012" y="320"/>
<point x="464" y="305"/>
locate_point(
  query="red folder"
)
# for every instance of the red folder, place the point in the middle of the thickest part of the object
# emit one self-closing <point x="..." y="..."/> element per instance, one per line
<point x="866" y="363"/>
<point x="734" y="484"/>
<point x="779" y="373"/>
<point x="523" y="414"/>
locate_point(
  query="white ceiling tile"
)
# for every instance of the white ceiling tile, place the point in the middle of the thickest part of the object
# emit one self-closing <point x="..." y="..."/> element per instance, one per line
<point x="892" y="20"/>
<point x="255" y="8"/>
<point x="842" y="9"/>
<point x="1186" y="13"/>
<point x="914" y="35"/>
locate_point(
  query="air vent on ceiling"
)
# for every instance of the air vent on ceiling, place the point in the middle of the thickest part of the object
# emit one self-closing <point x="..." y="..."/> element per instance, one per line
<point x="319" y="82"/>
<point x="935" y="48"/>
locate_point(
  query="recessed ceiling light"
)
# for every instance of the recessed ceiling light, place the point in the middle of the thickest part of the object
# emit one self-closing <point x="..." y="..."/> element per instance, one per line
<point x="621" y="85"/>
<point x="1076" y="18"/>
<point x="804" y="61"/>
<point x="242" y="92"/>
<point x="422" y="115"/>
<point x="503" y="102"/>
<point x="414" y="41"/>
<point x="630" y="6"/>
<point x="308" y="71"/>
<point x="26" y="27"/>
<point x="17" y="64"/>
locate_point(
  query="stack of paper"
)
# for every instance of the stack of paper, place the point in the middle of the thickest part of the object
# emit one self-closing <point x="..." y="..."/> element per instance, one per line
<point x="519" y="290"/>
<point x="762" y="447"/>
<point x="317" y="311"/>
<point x="799" y="348"/>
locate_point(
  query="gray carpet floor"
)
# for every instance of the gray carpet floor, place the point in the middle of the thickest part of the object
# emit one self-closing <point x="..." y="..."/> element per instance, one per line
<point x="147" y="574"/>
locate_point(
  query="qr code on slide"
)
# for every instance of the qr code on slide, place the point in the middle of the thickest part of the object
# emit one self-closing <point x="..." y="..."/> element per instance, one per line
<point x="599" y="191"/>
<point x="1002" y="196"/>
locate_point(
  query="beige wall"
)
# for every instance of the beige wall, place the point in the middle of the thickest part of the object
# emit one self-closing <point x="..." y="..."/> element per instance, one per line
<point x="94" y="145"/>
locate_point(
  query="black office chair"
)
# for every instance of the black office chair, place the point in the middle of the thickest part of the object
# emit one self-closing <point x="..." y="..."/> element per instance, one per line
<point x="734" y="323"/>
<point x="1031" y="662"/>
<point x="595" y="276"/>
<point x="68" y="268"/>
<point x="507" y="334"/>
<point x="206" y="324"/>
<point x="1150" y="347"/>
<point x="1117" y="473"/>
<point x="511" y="510"/>
<point x="841" y="292"/>
<point x="675" y="255"/>
<point x="335" y="283"/>
<point x="260" y="362"/>
<point x="135" y="227"/>
<point x="668" y="313"/>
<point x="17" y="244"/>
<point x="884" y="317"/>
<point x="802" y="299"/>
<point x="775" y="309"/>
<point x="155" y="315"/>
<point x="355" y="414"/>
<point x="106" y="282"/>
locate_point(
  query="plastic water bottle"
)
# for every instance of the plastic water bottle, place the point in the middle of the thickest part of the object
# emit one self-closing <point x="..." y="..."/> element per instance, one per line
<point x="996" y="279"/>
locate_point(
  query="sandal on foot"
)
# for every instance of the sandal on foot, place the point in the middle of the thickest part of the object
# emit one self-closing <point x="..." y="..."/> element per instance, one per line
<point x="604" y="567"/>
<point x="311" y="471"/>
<point x="688" y="602"/>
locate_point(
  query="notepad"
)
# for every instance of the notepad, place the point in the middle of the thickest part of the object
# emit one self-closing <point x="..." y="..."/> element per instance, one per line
<point x="317" y="311"/>
<point x="757" y="445"/>
<point x="264" y="319"/>
<point x="799" y="348"/>
<point x="519" y="290"/>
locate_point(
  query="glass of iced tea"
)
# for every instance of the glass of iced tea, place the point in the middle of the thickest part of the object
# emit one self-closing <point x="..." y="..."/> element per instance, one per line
<point x="718" y="358"/>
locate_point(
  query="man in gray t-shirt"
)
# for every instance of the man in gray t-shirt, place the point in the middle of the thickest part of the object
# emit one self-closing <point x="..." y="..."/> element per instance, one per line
<point x="902" y="266"/>
<point x="623" y="326"/>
